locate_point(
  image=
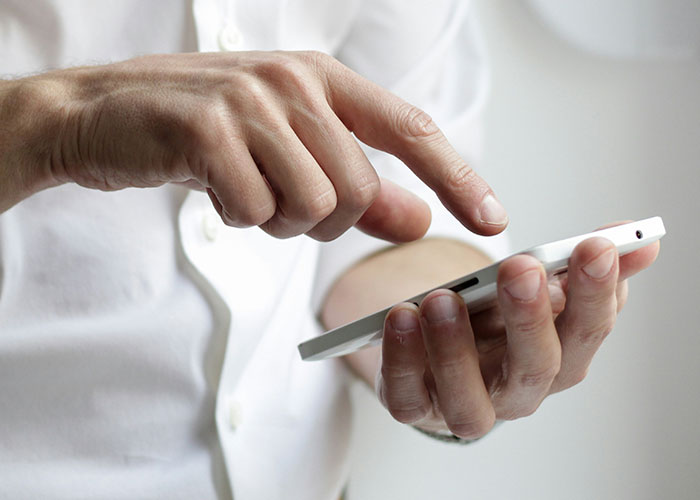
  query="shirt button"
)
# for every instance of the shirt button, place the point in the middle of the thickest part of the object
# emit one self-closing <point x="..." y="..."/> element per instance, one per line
<point x="235" y="414"/>
<point x="210" y="226"/>
<point x="230" y="38"/>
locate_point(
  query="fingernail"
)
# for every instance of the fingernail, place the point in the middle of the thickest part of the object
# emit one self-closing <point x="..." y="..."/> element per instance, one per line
<point x="441" y="308"/>
<point x="525" y="286"/>
<point x="403" y="320"/>
<point x="601" y="265"/>
<point x="492" y="212"/>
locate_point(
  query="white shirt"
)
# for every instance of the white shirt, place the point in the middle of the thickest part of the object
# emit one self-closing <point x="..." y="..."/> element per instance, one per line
<point x="148" y="351"/>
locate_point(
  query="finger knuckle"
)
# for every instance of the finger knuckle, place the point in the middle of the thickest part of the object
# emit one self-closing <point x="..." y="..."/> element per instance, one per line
<point x="256" y="214"/>
<point x="412" y="122"/>
<point x="528" y="411"/>
<point x="592" y="337"/>
<point x="259" y="104"/>
<point x="597" y="297"/>
<point x="290" y="75"/>
<point x="522" y="411"/>
<point x="279" y="64"/>
<point x="318" y="206"/>
<point x="279" y="227"/>
<point x="256" y="93"/>
<point x="317" y="58"/>
<point x="324" y="235"/>
<point x="542" y="376"/>
<point x="407" y="412"/>
<point x="532" y="326"/>
<point x="577" y="377"/>
<point x="363" y="194"/>
<point x="322" y="66"/>
<point x="327" y="231"/>
<point x="452" y="367"/>
<point x="211" y="126"/>
<point x="471" y="426"/>
<point x="460" y="177"/>
<point x="393" y="371"/>
<point x="509" y="414"/>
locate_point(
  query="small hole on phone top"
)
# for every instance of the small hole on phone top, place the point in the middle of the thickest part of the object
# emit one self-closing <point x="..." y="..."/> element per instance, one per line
<point x="639" y="234"/>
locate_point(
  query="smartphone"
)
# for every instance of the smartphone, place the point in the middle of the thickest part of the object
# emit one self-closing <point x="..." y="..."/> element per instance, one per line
<point x="478" y="289"/>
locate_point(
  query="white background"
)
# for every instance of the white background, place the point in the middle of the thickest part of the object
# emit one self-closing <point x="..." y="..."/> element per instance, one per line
<point x="575" y="139"/>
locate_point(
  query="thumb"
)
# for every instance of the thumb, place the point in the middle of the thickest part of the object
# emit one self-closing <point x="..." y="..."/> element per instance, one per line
<point x="397" y="215"/>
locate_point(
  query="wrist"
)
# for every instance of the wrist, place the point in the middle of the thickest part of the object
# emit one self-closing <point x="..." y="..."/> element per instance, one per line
<point x="33" y="117"/>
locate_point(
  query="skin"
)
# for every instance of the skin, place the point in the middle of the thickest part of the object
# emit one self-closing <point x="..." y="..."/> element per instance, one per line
<point x="459" y="372"/>
<point x="269" y="135"/>
<point x="272" y="138"/>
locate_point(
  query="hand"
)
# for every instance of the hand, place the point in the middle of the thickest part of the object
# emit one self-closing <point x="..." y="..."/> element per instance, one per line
<point x="268" y="135"/>
<point x="442" y="369"/>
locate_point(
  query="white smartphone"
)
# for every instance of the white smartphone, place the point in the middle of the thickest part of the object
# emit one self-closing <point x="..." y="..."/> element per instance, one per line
<point x="478" y="289"/>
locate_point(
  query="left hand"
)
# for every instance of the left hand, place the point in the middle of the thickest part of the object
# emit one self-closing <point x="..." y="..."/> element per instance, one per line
<point x="442" y="369"/>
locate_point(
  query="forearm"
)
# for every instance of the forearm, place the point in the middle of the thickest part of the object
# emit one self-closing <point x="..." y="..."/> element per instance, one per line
<point x="29" y="127"/>
<point x="389" y="277"/>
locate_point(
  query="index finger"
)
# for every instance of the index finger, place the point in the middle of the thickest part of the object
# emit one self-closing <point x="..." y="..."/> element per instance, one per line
<point x="386" y="122"/>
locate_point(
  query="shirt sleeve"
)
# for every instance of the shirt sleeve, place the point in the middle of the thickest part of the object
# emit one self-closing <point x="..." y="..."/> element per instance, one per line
<point x="431" y="55"/>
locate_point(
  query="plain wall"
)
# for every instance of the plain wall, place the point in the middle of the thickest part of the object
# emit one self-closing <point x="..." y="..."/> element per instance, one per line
<point x="575" y="140"/>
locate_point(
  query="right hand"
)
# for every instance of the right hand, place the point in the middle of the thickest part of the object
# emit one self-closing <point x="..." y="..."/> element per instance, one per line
<point x="267" y="134"/>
